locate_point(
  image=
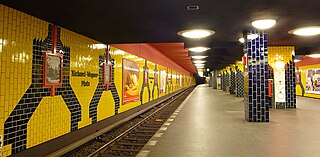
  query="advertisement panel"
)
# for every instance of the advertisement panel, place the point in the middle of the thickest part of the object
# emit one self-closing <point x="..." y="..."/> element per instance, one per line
<point x="280" y="86"/>
<point x="163" y="81"/>
<point x="130" y="81"/>
<point x="313" y="81"/>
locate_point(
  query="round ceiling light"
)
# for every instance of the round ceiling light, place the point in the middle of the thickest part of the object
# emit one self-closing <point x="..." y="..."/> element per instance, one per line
<point x="241" y="40"/>
<point x="264" y="24"/>
<point x="306" y="31"/>
<point x="198" y="49"/>
<point x="252" y="36"/>
<point x="196" y="33"/>
<point x="199" y="61"/>
<point x="314" y="55"/>
<point x="199" y="65"/>
<point x="297" y="60"/>
<point x="199" y="57"/>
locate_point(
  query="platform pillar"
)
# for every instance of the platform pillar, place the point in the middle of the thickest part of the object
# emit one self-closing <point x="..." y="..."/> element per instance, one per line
<point x="232" y="81"/>
<point x="285" y="55"/>
<point x="239" y="83"/>
<point x="215" y="74"/>
<point x="256" y="76"/>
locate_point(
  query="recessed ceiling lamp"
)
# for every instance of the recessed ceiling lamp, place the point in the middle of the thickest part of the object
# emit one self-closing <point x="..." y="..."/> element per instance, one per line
<point x="314" y="55"/>
<point x="241" y="40"/>
<point x="200" y="73"/>
<point x="199" y="61"/>
<point x="208" y="69"/>
<point x="199" y="57"/>
<point x="198" y="49"/>
<point x="264" y="24"/>
<point x="296" y="60"/>
<point x="199" y="65"/>
<point x="196" y="33"/>
<point x="252" y="36"/>
<point x="99" y="46"/>
<point x="306" y="31"/>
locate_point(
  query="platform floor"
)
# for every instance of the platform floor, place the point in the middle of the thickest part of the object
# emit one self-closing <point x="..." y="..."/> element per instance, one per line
<point x="211" y="124"/>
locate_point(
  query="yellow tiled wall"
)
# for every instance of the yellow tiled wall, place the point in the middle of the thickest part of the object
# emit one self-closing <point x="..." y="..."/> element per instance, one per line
<point x="240" y="65"/>
<point x="17" y="31"/>
<point x="282" y="53"/>
<point x="51" y="118"/>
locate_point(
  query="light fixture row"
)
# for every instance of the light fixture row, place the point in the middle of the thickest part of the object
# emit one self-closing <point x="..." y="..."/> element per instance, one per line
<point x="268" y="23"/>
<point x="259" y="24"/>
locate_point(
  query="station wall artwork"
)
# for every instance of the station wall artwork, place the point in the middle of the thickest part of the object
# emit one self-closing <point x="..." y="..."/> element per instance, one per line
<point x="163" y="81"/>
<point x="313" y="81"/>
<point x="55" y="82"/>
<point x="130" y="81"/>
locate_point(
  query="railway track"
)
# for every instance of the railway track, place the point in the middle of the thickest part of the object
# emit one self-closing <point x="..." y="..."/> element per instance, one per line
<point x="129" y="139"/>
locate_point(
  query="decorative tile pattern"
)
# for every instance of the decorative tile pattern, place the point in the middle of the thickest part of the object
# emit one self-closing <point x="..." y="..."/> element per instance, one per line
<point x="232" y="81"/>
<point x="256" y="105"/>
<point x="16" y="125"/>
<point x="214" y="79"/>
<point x="29" y="115"/>
<point x="239" y="83"/>
<point x="156" y="83"/>
<point x="145" y="83"/>
<point x="100" y="88"/>
<point x="290" y="85"/>
<point x="226" y="81"/>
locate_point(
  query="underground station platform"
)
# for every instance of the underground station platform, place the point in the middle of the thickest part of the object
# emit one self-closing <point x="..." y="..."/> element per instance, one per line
<point x="211" y="123"/>
<point x="155" y="79"/>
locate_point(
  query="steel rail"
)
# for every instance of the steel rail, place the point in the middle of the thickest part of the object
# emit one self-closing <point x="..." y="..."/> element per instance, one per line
<point x="105" y="146"/>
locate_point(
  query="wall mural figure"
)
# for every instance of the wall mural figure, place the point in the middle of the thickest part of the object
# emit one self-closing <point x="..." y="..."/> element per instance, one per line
<point x="113" y="88"/>
<point x="15" y="126"/>
<point x="156" y="81"/>
<point x="101" y="87"/>
<point x="168" y="82"/>
<point x="145" y="82"/>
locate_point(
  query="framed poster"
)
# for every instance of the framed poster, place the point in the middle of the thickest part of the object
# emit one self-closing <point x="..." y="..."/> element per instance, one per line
<point x="52" y="69"/>
<point x="130" y="81"/>
<point x="279" y="85"/>
<point x="146" y="75"/>
<point x="163" y="81"/>
<point x="297" y="78"/>
<point x="107" y="74"/>
<point x="156" y="77"/>
<point x="313" y="81"/>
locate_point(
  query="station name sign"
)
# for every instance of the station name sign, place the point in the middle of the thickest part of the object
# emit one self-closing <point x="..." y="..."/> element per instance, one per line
<point x="84" y="74"/>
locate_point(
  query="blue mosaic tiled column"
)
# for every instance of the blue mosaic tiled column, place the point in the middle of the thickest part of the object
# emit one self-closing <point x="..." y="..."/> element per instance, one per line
<point x="256" y="73"/>
<point x="210" y="80"/>
<point x="290" y="85"/>
<point x="226" y="81"/>
<point x="224" y="84"/>
<point x="214" y="79"/>
<point x="239" y="83"/>
<point x="232" y="82"/>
